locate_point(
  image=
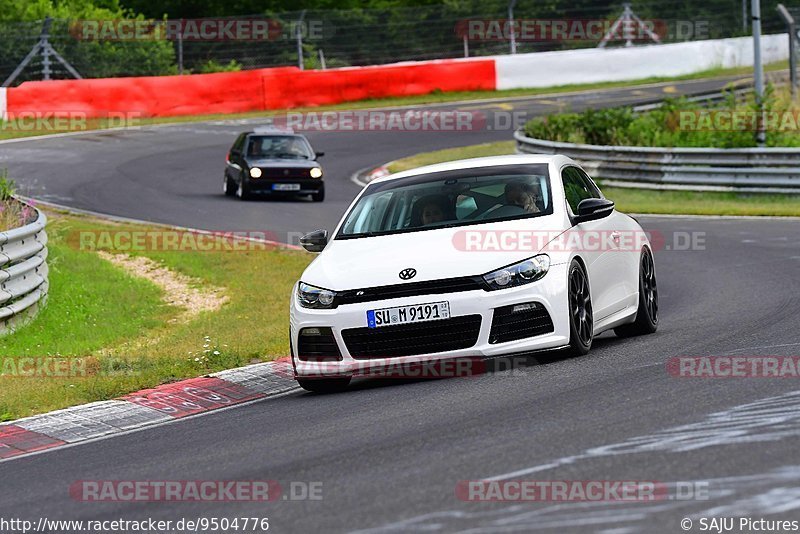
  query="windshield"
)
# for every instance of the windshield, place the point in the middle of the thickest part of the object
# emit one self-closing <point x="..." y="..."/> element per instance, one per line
<point x="453" y="198"/>
<point x="278" y="147"/>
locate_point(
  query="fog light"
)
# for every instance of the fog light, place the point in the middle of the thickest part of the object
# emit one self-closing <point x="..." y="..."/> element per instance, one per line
<point x="310" y="332"/>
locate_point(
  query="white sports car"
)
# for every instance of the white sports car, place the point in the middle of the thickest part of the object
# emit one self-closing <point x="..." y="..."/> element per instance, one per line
<point x="473" y="258"/>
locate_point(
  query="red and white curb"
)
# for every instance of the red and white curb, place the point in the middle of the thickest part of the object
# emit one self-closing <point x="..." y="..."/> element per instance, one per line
<point x="145" y="408"/>
<point x="378" y="172"/>
<point x="363" y="177"/>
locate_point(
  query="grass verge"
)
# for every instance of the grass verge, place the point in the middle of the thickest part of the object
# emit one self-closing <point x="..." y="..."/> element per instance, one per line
<point x="637" y="200"/>
<point x="117" y="333"/>
<point x="9" y="131"/>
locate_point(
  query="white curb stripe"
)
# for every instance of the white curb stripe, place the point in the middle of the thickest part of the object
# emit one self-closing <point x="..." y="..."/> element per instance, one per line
<point x="3" y="102"/>
<point x="103" y="419"/>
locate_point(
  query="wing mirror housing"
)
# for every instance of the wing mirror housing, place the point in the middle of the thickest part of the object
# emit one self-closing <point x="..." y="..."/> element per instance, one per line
<point x="318" y="154"/>
<point x="591" y="209"/>
<point x="315" y="241"/>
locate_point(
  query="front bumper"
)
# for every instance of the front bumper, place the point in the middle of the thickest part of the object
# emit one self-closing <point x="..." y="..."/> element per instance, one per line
<point x="307" y="185"/>
<point x="550" y="291"/>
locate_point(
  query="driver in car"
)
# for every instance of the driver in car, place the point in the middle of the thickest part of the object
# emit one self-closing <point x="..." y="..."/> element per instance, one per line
<point x="524" y="195"/>
<point x="431" y="210"/>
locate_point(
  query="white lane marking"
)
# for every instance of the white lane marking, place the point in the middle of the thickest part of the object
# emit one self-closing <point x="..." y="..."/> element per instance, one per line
<point x="773" y="501"/>
<point x="769" y="419"/>
<point x="525" y="517"/>
<point x="746" y="349"/>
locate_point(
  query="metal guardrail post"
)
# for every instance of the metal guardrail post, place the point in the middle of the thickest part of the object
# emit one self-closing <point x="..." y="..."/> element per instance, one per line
<point x="743" y="169"/>
<point x="24" y="279"/>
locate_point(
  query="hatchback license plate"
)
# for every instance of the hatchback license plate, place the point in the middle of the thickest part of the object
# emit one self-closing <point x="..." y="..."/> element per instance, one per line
<point x="286" y="187"/>
<point x="408" y="314"/>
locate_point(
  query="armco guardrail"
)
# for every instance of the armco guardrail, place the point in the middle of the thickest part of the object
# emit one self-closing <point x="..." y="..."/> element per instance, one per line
<point x="745" y="169"/>
<point x="23" y="273"/>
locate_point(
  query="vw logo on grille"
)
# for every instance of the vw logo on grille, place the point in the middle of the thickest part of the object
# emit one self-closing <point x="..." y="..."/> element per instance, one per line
<point x="408" y="274"/>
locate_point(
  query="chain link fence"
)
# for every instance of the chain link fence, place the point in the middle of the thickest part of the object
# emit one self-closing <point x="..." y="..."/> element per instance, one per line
<point x="795" y="13"/>
<point x="335" y="38"/>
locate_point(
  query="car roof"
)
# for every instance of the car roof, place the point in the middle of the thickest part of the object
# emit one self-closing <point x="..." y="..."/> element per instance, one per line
<point x="275" y="132"/>
<point x="475" y="163"/>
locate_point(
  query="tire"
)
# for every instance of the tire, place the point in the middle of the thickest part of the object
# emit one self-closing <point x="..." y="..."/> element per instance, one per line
<point x="647" y="313"/>
<point x="581" y="319"/>
<point x="318" y="196"/>
<point x="324" y="385"/>
<point x="229" y="187"/>
<point x="242" y="191"/>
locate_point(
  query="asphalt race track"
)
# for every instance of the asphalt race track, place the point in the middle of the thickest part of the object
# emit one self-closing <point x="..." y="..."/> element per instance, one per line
<point x="173" y="174"/>
<point x="389" y="455"/>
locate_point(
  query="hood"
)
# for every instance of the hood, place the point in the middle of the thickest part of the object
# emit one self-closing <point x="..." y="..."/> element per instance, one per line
<point x="435" y="254"/>
<point x="287" y="163"/>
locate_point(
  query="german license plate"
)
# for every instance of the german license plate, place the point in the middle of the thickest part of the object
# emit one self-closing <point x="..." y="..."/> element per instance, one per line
<point x="408" y="314"/>
<point x="286" y="187"/>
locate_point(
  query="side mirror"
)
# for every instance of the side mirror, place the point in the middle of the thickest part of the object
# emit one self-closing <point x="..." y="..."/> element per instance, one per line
<point x="591" y="209"/>
<point x="318" y="154"/>
<point x="315" y="241"/>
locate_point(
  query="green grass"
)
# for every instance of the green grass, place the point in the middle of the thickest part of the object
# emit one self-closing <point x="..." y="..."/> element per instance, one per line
<point x="81" y="317"/>
<point x="636" y="200"/>
<point x="120" y="325"/>
<point x="702" y="203"/>
<point x="6" y="132"/>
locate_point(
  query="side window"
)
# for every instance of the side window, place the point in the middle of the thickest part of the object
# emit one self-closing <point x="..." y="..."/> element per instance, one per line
<point x="590" y="185"/>
<point x="575" y="187"/>
<point x="239" y="144"/>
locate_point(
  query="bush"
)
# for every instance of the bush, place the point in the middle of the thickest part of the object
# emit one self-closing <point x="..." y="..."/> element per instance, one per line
<point x="212" y="66"/>
<point x="662" y="127"/>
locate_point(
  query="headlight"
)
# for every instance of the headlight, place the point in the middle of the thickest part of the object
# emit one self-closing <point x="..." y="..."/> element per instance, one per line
<point x="315" y="297"/>
<point x="255" y="172"/>
<point x="316" y="172"/>
<point x="518" y="274"/>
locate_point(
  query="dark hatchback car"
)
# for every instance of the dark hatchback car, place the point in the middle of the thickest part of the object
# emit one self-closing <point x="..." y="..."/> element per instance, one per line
<point x="273" y="162"/>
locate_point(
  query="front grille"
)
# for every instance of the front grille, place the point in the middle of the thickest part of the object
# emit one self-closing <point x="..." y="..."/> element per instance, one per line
<point x="413" y="339"/>
<point x="412" y="289"/>
<point x="281" y="174"/>
<point x="317" y="345"/>
<point x="519" y="321"/>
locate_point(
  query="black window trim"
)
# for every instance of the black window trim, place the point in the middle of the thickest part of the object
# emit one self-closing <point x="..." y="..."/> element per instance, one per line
<point x="585" y="174"/>
<point x="442" y="175"/>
